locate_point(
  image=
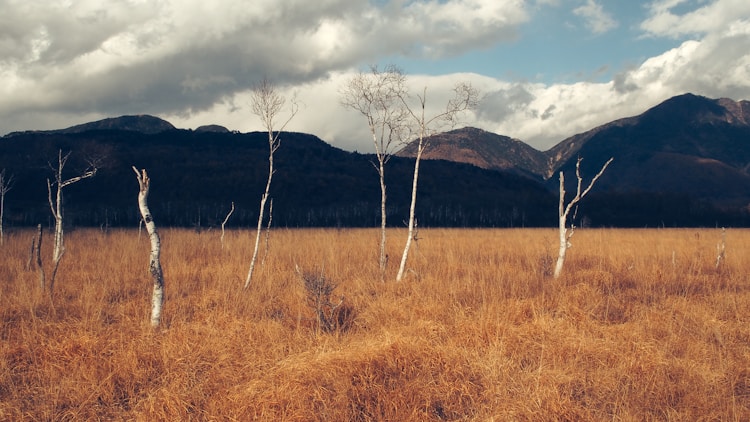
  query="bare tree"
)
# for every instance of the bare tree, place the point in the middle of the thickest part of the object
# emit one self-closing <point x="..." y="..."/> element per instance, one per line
<point x="377" y="96"/>
<point x="224" y="223"/>
<point x="36" y="249"/>
<point x="267" y="104"/>
<point x="157" y="297"/>
<point x="56" y="206"/>
<point x="6" y="184"/>
<point x="721" y="248"/>
<point x="564" y="211"/>
<point x="465" y="97"/>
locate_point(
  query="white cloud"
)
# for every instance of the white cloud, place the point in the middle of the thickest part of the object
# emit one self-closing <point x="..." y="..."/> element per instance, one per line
<point x="192" y="62"/>
<point x="179" y="57"/>
<point x="598" y="21"/>
<point x="709" y="18"/>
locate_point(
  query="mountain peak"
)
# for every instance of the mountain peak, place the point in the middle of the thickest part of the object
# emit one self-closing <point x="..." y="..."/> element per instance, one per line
<point x="212" y="129"/>
<point x="143" y="123"/>
<point x="697" y="109"/>
<point x="483" y="149"/>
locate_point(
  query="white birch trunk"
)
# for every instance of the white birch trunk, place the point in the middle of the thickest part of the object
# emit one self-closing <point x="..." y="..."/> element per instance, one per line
<point x="412" y="209"/>
<point x="266" y="104"/>
<point x="273" y="146"/>
<point x="56" y="207"/>
<point x="564" y="211"/>
<point x="563" y="233"/>
<point x="157" y="297"/>
<point x="377" y="96"/>
<point x="383" y="218"/>
<point x="224" y="223"/>
<point x="38" y="252"/>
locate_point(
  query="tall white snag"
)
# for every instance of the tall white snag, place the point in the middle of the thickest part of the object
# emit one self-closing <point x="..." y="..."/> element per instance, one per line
<point x="56" y="206"/>
<point x="465" y="98"/>
<point x="266" y="104"/>
<point x="564" y="211"/>
<point x="154" y="266"/>
<point x="377" y="96"/>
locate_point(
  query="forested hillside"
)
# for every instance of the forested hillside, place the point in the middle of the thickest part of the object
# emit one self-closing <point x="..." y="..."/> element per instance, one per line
<point x="196" y="175"/>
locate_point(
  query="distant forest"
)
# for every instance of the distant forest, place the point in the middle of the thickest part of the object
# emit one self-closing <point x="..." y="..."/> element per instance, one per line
<point x="197" y="175"/>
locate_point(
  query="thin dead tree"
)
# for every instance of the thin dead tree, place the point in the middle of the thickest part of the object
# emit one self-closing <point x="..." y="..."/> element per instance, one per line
<point x="6" y="184"/>
<point x="154" y="266"/>
<point x="224" y="223"/>
<point x="564" y="211"/>
<point x="377" y="96"/>
<point x="36" y="251"/>
<point x="721" y="248"/>
<point x="465" y="97"/>
<point x="267" y="103"/>
<point x="268" y="232"/>
<point x="56" y="206"/>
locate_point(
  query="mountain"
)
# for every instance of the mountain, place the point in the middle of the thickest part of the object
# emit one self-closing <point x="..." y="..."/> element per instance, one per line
<point x="684" y="162"/>
<point x="212" y="128"/>
<point x="483" y="149"/>
<point x="687" y="145"/>
<point x="142" y="123"/>
<point x="677" y="163"/>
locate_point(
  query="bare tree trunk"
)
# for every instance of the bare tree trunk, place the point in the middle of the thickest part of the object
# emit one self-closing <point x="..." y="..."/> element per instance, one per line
<point x="383" y="223"/>
<point x="721" y="248"/>
<point x="377" y="96"/>
<point x="223" y="223"/>
<point x="39" y="256"/>
<point x="157" y="298"/>
<point x="258" y="230"/>
<point x="268" y="232"/>
<point x="412" y="209"/>
<point x="563" y="230"/>
<point x="58" y="245"/>
<point x="56" y="206"/>
<point x="267" y="103"/>
<point x="5" y="186"/>
<point x="564" y="211"/>
<point x="465" y="98"/>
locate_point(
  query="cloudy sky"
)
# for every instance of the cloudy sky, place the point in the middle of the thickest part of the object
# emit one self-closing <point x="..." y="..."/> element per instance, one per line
<point x="548" y="69"/>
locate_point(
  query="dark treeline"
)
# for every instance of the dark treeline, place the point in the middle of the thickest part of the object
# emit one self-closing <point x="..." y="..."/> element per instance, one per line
<point x="197" y="175"/>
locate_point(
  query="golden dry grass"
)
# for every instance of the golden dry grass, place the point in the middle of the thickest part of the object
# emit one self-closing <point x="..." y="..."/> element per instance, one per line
<point x="641" y="326"/>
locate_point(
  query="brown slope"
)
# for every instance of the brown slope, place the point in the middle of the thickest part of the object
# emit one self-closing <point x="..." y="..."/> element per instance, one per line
<point x="680" y="124"/>
<point x="483" y="149"/>
<point x="688" y="144"/>
<point x="141" y="123"/>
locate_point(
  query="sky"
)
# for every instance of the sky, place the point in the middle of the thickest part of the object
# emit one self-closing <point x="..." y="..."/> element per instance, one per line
<point x="546" y="69"/>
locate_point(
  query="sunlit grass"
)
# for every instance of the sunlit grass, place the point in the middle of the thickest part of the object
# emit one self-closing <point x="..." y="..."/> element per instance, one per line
<point x="641" y="326"/>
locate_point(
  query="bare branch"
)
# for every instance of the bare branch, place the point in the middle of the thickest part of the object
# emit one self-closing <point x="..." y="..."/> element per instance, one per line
<point x="564" y="211"/>
<point x="377" y="96"/>
<point x="6" y="184"/>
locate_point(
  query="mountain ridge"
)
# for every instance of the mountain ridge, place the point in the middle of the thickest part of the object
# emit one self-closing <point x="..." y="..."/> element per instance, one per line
<point x="682" y="162"/>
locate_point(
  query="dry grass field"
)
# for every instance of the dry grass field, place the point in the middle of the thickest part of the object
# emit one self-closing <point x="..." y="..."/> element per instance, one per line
<point x="641" y="326"/>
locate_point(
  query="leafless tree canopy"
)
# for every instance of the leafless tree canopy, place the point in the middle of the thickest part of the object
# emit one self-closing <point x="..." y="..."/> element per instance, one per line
<point x="465" y="97"/>
<point x="267" y="103"/>
<point x="377" y="95"/>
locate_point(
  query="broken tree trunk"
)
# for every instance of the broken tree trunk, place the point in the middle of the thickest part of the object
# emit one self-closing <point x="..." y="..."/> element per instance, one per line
<point x="157" y="298"/>
<point x="56" y="206"/>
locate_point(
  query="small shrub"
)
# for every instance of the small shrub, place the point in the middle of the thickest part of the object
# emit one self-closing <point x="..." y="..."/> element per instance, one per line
<point x="330" y="317"/>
